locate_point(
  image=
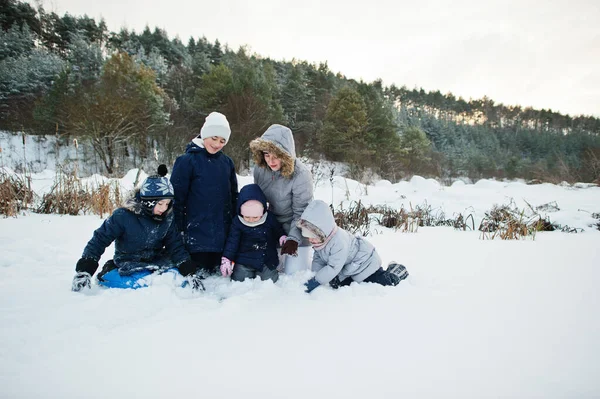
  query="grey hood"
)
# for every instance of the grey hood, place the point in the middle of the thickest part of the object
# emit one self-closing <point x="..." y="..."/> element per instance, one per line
<point x="318" y="218"/>
<point x="279" y="141"/>
<point x="282" y="137"/>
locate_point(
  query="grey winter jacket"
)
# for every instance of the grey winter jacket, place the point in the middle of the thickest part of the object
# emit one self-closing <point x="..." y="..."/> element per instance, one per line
<point x="288" y="190"/>
<point x="344" y="255"/>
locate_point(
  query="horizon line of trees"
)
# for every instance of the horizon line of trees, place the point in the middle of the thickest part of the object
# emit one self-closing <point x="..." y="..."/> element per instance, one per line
<point x="133" y="95"/>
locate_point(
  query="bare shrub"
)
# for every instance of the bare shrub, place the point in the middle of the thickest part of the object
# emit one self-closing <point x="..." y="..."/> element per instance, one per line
<point x="398" y="219"/>
<point x="66" y="197"/>
<point x="358" y="218"/>
<point x="105" y="198"/>
<point x="354" y="219"/>
<point x="424" y="216"/>
<point x="70" y="196"/>
<point x="15" y="193"/>
<point x="510" y="223"/>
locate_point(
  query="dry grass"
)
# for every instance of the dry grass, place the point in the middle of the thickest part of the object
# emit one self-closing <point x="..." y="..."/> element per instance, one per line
<point x="508" y="222"/>
<point x="105" y="198"/>
<point x="66" y="197"/>
<point x="357" y="218"/>
<point x="69" y="196"/>
<point x="15" y="194"/>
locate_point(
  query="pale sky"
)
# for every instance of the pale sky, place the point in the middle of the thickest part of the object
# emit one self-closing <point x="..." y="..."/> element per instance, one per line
<point x="544" y="54"/>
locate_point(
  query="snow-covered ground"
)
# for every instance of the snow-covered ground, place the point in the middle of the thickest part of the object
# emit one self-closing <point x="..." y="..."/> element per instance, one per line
<point x="476" y="318"/>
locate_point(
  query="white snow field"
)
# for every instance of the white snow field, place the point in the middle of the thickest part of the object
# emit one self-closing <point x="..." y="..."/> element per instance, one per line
<point x="475" y="319"/>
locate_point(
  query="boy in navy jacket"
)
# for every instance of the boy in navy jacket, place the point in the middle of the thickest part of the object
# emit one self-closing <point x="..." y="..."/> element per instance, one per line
<point x="146" y="240"/>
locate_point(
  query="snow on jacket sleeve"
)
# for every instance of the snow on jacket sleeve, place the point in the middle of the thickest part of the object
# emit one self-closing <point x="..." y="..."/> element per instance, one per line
<point x="181" y="180"/>
<point x="302" y="195"/>
<point x="233" y="240"/>
<point x="110" y="230"/>
<point x="173" y="242"/>
<point x="338" y="254"/>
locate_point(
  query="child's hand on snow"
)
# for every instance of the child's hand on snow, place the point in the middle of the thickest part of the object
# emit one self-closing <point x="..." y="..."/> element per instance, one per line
<point x="310" y="285"/>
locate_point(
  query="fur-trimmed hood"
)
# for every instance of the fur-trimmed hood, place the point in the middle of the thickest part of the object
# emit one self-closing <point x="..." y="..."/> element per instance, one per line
<point x="318" y="218"/>
<point x="133" y="204"/>
<point x="277" y="140"/>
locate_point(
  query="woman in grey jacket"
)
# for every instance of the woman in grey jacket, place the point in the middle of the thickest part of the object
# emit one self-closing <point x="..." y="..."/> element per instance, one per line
<point x="340" y="257"/>
<point x="288" y="186"/>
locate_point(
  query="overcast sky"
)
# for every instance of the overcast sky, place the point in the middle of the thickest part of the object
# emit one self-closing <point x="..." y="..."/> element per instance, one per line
<point x="544" y="54"/>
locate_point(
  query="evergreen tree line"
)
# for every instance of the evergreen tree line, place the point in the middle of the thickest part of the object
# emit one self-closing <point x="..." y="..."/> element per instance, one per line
<point x="136" y="95"/>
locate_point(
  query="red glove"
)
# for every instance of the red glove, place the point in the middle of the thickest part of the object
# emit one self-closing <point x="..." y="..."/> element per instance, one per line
<point x="290" y="247"/>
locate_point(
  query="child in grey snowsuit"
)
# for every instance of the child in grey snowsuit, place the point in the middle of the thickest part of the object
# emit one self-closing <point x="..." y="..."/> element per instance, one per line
<point x="341" y="257"/>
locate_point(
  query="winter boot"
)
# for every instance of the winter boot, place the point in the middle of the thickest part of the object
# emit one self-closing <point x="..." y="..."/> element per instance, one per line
<point x="397" y="270"/>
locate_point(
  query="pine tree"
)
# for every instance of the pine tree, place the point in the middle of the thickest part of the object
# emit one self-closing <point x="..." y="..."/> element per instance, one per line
<point x="343" y="137"/>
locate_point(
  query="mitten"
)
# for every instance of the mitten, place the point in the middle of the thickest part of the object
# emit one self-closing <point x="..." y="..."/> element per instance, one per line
<point x="196" y="281"/>
<point x="290" y="247"/>
<point x="226" y="267"/>
<point x="282" y="240"/>
<point x="80" y="281"/>
<point x="188" y="267"/>
<point x="311" y="285"/>
<point x="86" y="265"/>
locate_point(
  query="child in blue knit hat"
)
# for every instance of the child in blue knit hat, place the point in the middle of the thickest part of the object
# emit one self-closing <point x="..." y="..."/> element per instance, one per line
<point x="146" y="239"/>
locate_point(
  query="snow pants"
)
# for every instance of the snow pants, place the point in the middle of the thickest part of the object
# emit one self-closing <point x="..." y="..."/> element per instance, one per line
<point x="382" y="277"/>
<point x="241" y="272"/>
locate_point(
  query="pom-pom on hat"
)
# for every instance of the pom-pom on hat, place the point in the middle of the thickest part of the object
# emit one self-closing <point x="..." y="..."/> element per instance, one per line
<point x="216" y="124"/>
<point x="157" y="187"/>
<point x="252" y="209"/>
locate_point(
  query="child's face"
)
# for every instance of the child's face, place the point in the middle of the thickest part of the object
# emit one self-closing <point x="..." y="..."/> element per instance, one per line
<point x="161" y="207"/>
<point x="251" y="219"/>
<point x="214" y="144"/>
<point x="273" y="162"/>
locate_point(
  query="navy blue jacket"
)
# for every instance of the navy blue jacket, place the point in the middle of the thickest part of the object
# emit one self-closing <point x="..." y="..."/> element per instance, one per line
<point x="140" y="241"/>
<point x="256" y="246"/>
<point x="205" y="195"/>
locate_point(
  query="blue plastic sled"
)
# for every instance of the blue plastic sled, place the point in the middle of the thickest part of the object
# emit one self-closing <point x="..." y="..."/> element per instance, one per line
<point x="134" y="281"/>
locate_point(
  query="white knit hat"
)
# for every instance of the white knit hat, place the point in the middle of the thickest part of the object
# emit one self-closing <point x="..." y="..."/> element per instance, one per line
<point x="215" y="125"/>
